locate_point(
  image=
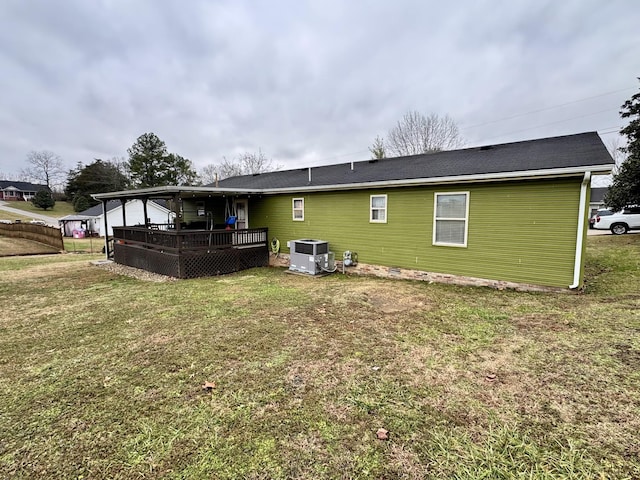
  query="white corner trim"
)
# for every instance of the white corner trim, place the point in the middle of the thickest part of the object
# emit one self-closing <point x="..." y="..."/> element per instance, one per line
<point x="580" y="233"/>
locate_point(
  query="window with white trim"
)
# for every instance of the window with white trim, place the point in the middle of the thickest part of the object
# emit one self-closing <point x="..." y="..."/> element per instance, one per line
<point x="298" y="209"/>
<point x="378" y="209"/>
<point x="451" y="219"/>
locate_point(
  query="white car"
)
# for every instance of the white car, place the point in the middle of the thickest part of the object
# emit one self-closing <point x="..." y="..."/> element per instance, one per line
<point x="619" y="222"/>
<point x="601" y="212"/>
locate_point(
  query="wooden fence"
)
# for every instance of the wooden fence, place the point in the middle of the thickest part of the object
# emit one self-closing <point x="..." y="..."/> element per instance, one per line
<point x="51" y="236"/>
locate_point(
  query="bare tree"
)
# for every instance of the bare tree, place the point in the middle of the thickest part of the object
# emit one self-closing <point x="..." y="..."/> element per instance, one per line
<point x="415" y="134"/>
<point x="246" y="163"/>
<point x="617" y="153"/>
<point x="217" y="171"/>
<point x="256" y="163"/>
<point x="45" y="167"/>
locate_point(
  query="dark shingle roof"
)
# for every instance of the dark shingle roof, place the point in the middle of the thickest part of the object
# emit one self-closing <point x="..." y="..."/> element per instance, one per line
<point x="584" y="149"/>
<point x="22" y="186"/>
<point x="597" y="194"/>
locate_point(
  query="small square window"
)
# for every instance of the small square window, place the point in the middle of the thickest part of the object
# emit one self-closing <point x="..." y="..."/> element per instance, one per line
<point x="378" y="209"/>
<point x="298" y="209"/>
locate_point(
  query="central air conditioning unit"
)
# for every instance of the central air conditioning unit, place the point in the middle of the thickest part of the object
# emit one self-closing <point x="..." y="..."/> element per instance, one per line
<point x="310" y="256"/>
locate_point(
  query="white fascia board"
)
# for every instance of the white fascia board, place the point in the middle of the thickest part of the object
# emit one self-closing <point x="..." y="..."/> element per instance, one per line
<point x="168" y="191"/>
<point x="485" y="177"/>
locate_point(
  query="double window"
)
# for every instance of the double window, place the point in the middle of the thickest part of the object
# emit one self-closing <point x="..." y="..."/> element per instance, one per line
<point x="298" y="209"/>
<point x="378" y="209"/>
<point x="450" y="219"/>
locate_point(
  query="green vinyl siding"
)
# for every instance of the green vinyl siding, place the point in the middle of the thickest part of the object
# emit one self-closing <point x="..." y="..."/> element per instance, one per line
<point x="521" y="231"/>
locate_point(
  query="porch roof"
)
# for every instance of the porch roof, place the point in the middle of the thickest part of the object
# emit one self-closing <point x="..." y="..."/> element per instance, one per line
<point x="171" y="191"/>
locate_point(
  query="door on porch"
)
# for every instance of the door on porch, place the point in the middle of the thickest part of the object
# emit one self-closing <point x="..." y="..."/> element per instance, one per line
<point x="242" y="216"/>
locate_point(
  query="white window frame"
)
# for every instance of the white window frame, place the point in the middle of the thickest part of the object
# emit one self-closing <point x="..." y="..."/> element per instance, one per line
<point x="465" y="219"/>
<point x="294" y="209"/>
<point x="371" y="209"/>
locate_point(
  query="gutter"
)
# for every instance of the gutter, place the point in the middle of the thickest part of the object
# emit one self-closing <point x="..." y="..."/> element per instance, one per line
<point x="577" y="266"/>
<point x="169" y="191"/>
<point x="476" y="178"/>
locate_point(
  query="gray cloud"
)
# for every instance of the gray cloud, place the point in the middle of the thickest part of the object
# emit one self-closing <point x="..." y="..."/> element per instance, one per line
<point x="308" y="82"/>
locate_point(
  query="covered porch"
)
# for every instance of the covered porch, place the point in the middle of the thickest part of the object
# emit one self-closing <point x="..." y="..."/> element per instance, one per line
<point x="208" y="234"/>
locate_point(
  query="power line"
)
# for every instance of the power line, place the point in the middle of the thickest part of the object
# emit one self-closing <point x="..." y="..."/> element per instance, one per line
<point x="517" y="116"/>
<point x="548" y="108"/>
<point x="604" y="131"/>
<point x="547" y="124"/>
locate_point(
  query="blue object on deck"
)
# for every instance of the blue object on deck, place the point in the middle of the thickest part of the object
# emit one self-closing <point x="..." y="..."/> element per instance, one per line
<point x="231" y="220"/>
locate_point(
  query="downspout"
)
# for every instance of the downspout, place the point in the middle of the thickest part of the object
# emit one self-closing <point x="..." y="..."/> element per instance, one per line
<point x="577" y="266"/>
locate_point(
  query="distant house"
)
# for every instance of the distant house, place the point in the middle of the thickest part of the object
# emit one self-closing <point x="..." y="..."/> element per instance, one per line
<point x="507" y="215"/>
<point x="13" y="191"/>
<point x="597" y="199"/>
<point x="92" y="219"/>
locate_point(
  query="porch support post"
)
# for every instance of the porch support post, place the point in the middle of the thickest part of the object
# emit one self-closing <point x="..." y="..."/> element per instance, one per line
<point x="123" y="203"/>
<point x="106" y="228"/>
<point x="144" y="208"/>
<point x="176" y="210"/>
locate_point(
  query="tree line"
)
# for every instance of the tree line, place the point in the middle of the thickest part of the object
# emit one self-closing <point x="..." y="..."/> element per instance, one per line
<point x="149" y="164"/>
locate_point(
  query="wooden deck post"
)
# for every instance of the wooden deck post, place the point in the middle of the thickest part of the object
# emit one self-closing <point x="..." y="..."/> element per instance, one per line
<point x="144" y="208"/>
<point x="176" y="210"/>
<point x="123" y="202"/>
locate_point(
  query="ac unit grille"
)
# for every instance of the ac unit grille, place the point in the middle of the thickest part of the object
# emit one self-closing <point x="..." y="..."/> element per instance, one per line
<point x="310" y="247"/>
<point x="305" y="248"/>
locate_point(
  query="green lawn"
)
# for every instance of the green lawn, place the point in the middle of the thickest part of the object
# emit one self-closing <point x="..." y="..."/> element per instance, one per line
<point x="21" y="246"/>
<point x="4" y="215"/>
<point x="59" y="210"/>
<point x="83" y="245"/>
<point x="100" y="375"/>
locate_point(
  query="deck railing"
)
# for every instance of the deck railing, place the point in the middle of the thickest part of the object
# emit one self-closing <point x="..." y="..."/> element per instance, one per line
<point x="189" y="240"/>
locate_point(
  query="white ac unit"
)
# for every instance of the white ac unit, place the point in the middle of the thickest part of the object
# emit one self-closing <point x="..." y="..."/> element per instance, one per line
<point x="310" y="256"/>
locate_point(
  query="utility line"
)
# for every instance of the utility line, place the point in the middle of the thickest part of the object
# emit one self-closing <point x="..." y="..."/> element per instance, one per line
<point x="547" y="124"/>
<point x="548" y="108"/>
<point x="517" y="116"/>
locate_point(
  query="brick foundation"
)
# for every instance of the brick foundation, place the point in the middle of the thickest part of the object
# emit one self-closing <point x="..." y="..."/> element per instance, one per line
<point x="407" y="274"/>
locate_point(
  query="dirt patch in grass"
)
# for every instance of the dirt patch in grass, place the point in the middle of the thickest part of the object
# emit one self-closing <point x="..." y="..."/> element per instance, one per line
<point x="132" y="272"/>
<point x="385" y="297"/>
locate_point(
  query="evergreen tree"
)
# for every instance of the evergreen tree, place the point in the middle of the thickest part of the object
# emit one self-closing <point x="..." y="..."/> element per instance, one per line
<point x="43" y="199"/>
<point x="150" y="165"/>
<point x="97" y="177"/>
<point x="377" y="149"/>
<point x="625" y="189"/>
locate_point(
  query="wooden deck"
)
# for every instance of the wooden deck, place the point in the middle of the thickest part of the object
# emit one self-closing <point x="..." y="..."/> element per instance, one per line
<point x="190" y="253"/>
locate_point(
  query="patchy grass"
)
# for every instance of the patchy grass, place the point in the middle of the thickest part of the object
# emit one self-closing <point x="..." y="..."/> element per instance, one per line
<point x="100" y="375"/>
<point x="21" y="246"/>
<point x="60" y="209"/>
<point x="4" y="215"/>
<point x="83" y="245"/>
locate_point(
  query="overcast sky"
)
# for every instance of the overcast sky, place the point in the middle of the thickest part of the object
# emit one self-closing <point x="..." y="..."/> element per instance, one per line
<point x="308" y="82"/>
